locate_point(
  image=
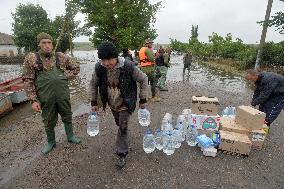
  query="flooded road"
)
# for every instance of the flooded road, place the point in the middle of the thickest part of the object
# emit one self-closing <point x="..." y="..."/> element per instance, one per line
<point x="91" y="165"/>
<point x="199" y="75"/>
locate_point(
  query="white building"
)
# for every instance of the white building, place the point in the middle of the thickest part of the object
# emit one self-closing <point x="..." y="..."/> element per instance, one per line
<point x="7" y="46"/>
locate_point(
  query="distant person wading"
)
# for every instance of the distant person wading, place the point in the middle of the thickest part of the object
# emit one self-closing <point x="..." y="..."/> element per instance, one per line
<point x="187" y="61"/>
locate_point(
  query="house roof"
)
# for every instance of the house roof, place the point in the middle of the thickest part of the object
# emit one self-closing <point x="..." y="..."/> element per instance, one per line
<point x="6" y="39"/>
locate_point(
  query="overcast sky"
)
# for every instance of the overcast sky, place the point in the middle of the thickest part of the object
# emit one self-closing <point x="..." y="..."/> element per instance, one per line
<point x="175" y="19"/>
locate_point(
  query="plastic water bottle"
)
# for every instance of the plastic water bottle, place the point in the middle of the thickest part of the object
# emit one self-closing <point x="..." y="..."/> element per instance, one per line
<point x="191" y="136"/>
<point x="144" y="117"/>
<point x="164" y="123"/>
<point x="229" y="112"/>
<point x="169" y="143"/>
<point x="204" y="141"/>
<point x="149" y="141"/>
<point x="93" y="126"/>
<point x="159" y="139"/>
<point x="180" y="126"/>
<point x="225" y="112"/>
<point x="177" y="137"/>
<point x="232" y="111"/>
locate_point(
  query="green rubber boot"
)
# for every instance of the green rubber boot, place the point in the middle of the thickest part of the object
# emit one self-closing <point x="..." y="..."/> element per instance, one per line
<point x="50" y="141"/>
<point x="70" y="135"/>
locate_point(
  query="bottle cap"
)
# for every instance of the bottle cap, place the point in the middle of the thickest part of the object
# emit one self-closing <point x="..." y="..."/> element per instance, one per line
<point x="94" y="113"/>
<point x="149" y="131"/>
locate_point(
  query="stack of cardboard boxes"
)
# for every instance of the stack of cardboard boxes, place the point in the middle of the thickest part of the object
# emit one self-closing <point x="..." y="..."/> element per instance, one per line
<point x="243" y="133"/>
<point x="204" y="114"/>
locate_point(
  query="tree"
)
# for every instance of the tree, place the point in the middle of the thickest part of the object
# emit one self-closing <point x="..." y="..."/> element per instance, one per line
<point x="63" y="44"/>
<point x="178" y="46"/>
<point x="126" y="23"/>
<point x="66" y="28"/>
<point x="277" y="21"/>
<point x="29" y="20"/>
<point x="194" y="32"/>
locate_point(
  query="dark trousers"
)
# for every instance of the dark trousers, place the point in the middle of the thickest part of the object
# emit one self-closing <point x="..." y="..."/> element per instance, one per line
<point x="121" y="119"/>
<point x="272" y="108"/>
<point x="186" y="67"/>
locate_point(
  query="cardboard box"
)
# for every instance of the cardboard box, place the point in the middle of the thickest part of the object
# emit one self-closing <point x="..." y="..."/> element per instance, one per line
<point x="204" y="122"/>
<point x="205" y="105"/>
<point x="250" y="117"/>
<point x="229" y="124"/>
<point x="257" y="145"/>
<point x="257" y="138"/>
<point x="235" y="142"/>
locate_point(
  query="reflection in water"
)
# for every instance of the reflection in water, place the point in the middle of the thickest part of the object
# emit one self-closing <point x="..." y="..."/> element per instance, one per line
<point x="199" y="75"/>
<point x="205" y="76"/>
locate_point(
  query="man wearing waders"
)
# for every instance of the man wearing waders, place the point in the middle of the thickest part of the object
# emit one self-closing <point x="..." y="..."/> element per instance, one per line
<point x="269" y="93"/>
<point x="46" y="75"/>
<point x="115" y="80"/>
<point x="187" y="60"/>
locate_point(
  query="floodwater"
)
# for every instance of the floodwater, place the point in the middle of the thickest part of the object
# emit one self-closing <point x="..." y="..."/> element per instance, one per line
<point x="199" y="75"/>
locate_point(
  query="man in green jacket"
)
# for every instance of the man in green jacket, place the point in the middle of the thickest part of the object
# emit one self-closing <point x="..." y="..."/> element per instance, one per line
<point x="46" y="75"/>
<point x="147" y="65"/>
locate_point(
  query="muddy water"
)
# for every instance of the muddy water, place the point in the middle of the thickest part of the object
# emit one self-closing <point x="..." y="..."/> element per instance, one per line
<point x="199" y="75"/>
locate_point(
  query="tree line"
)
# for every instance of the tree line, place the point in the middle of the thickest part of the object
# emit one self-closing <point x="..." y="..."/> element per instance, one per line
<point x="126" y="23"/>
<point x="227" y="48"/>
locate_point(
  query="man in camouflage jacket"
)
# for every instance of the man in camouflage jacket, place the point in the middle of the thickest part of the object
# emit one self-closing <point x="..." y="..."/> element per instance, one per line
<point x="46" y="75"/>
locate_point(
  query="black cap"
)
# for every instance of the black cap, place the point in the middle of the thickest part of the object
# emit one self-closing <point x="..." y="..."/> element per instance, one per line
<point x="107" y="50"/>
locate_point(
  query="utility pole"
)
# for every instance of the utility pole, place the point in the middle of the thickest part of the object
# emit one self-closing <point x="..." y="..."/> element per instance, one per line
<point x="263" y="35"/>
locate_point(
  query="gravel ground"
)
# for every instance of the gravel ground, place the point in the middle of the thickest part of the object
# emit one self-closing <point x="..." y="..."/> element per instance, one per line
<point x="91" y="164"/>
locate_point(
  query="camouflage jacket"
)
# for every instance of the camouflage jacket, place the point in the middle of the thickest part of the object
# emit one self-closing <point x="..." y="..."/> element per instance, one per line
<point x="30" y="67"/>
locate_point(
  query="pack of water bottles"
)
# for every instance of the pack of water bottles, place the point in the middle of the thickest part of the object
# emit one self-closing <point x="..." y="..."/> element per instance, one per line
<point x="168" y="137"/>
<point x="171" y="135"/>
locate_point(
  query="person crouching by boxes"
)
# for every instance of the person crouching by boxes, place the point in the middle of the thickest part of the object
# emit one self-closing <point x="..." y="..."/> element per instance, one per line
<point x="269" y="93"/>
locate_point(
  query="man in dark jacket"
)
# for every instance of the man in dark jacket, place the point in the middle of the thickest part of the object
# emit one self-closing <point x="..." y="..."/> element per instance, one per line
<point x="187" y="60"/>
<point x="269" y="93"/>
<point x="115" y="79"/>
<point x="126" y="53"/>
<point x="162" y="62"/>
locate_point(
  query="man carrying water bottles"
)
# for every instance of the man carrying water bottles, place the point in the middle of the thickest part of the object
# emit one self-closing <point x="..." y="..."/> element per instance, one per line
<point x="115" y="79"/>
<point x="46" y="75"/>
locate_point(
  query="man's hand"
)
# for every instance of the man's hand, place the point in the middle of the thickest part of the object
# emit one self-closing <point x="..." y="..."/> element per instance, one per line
<point x="95" y="108"/>
<point x="36" y="106"/>
<point x="142" y="106"/>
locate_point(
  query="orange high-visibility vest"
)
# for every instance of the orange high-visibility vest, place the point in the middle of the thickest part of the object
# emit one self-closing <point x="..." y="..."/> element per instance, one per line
<point x="144" y="61"/>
